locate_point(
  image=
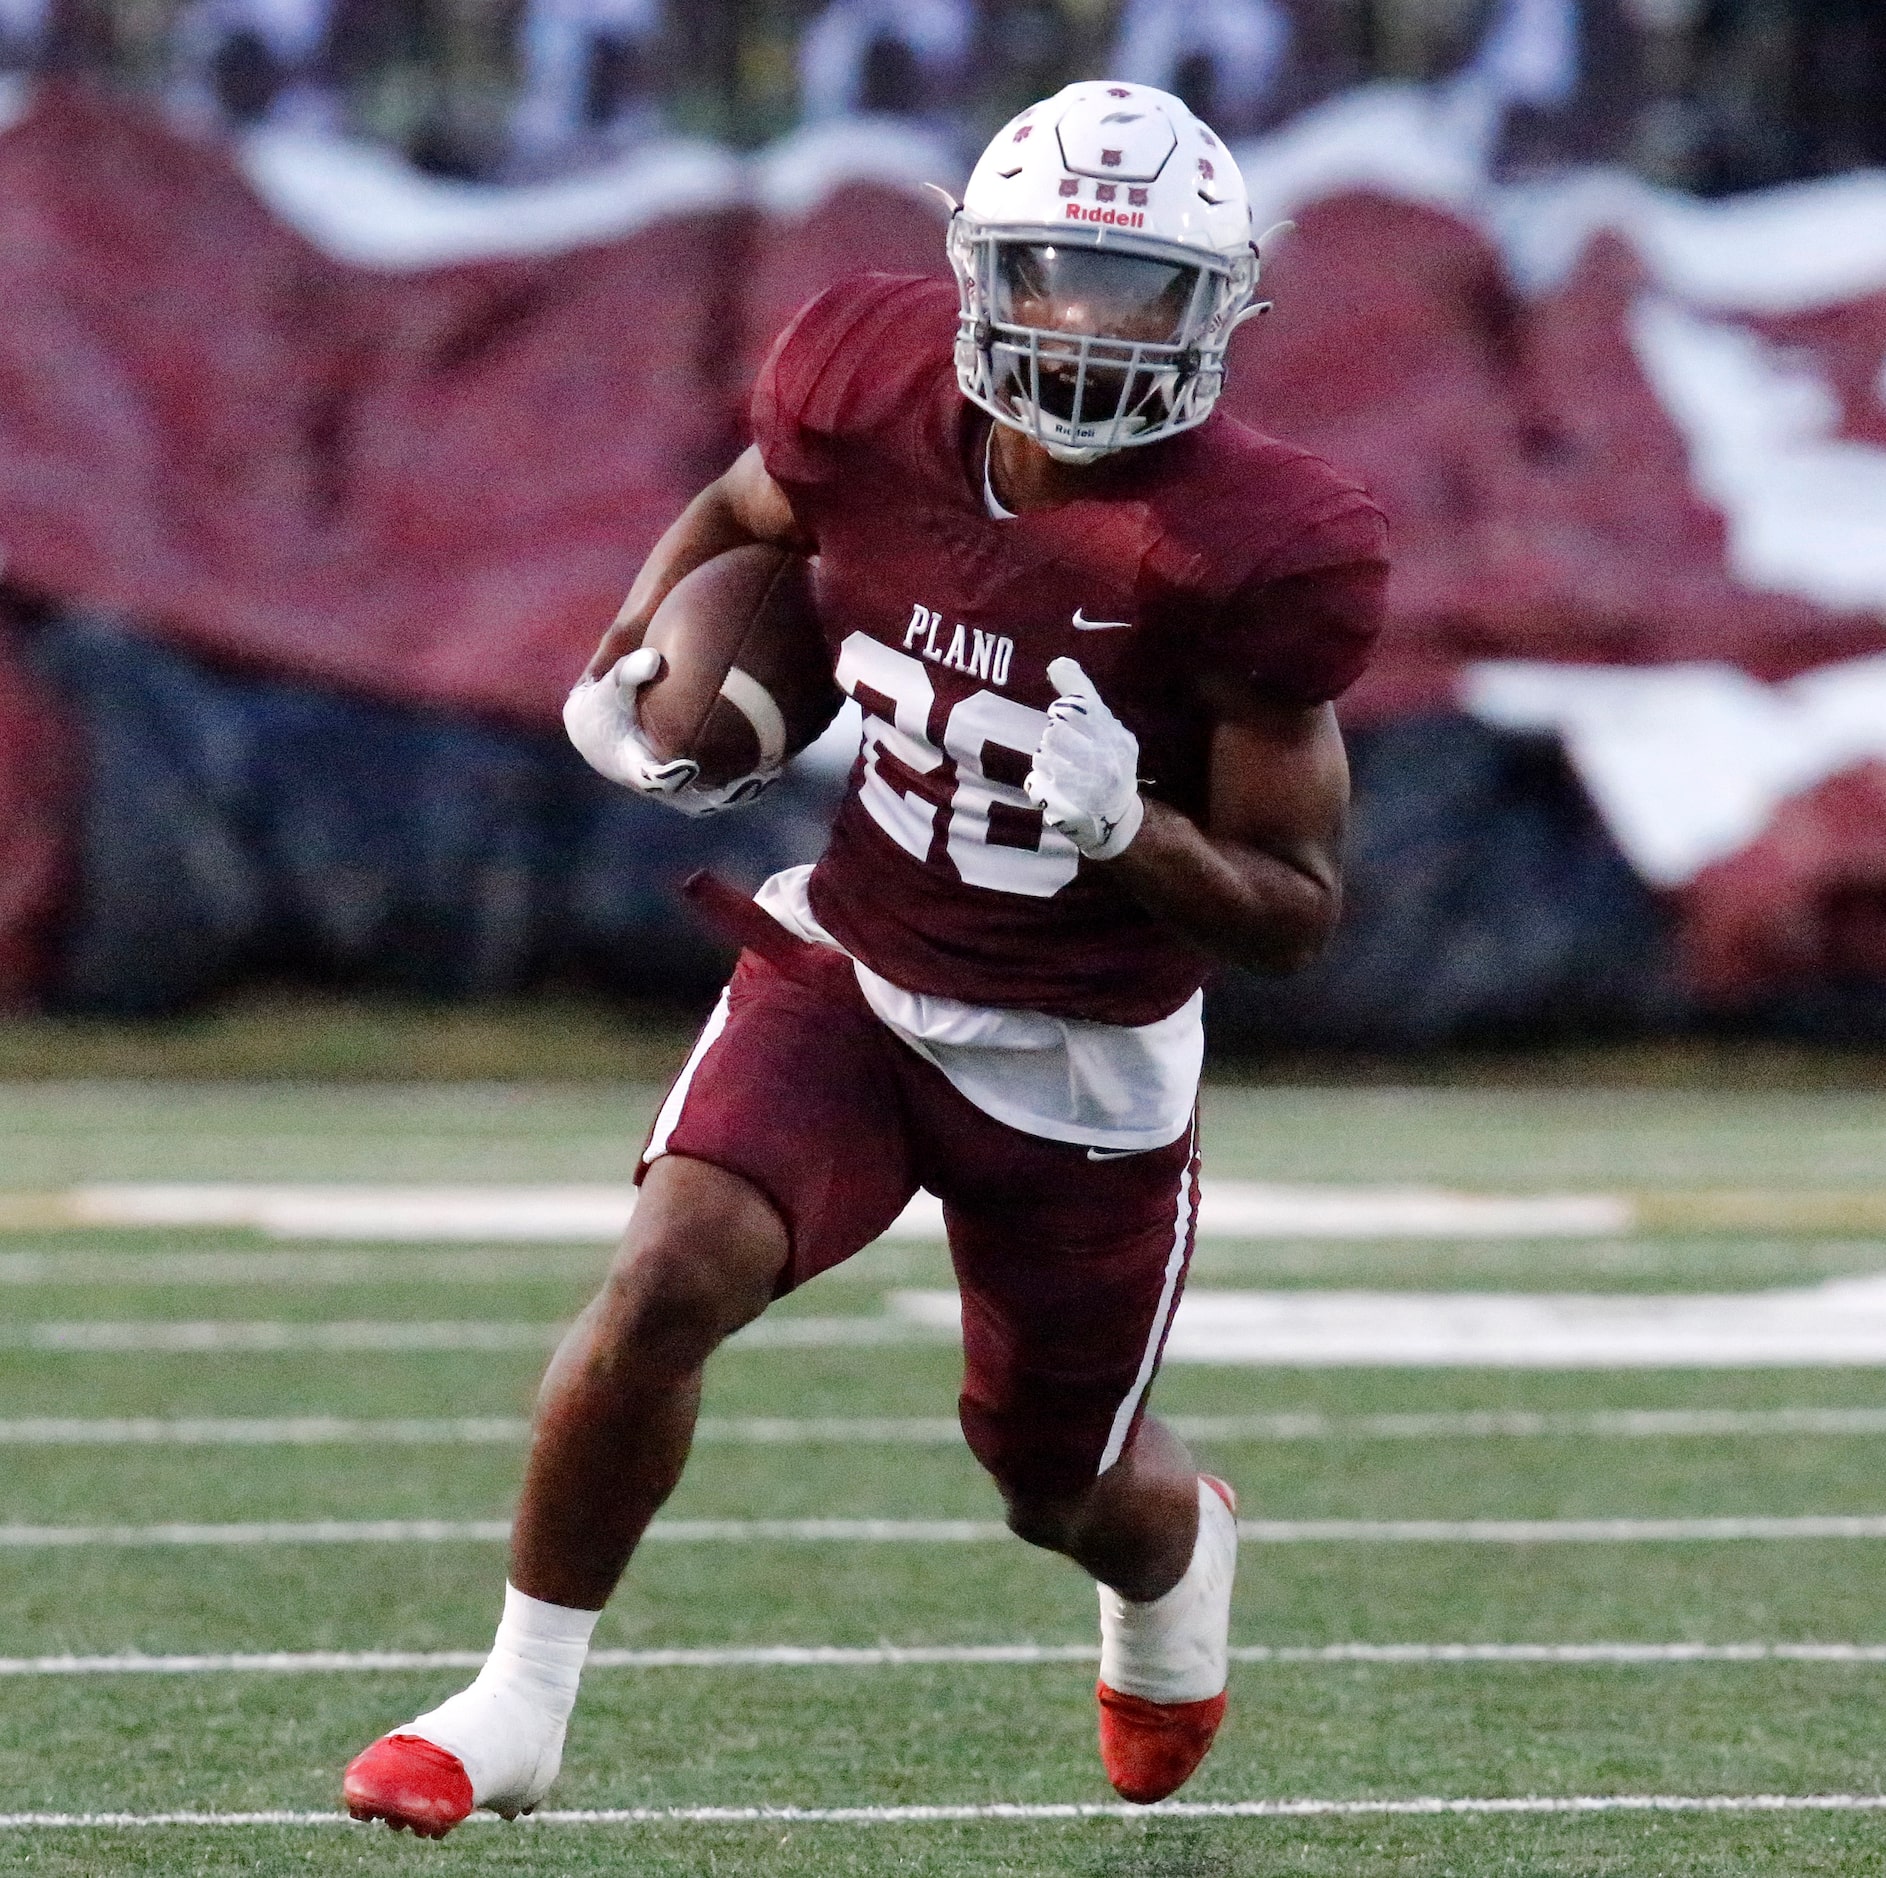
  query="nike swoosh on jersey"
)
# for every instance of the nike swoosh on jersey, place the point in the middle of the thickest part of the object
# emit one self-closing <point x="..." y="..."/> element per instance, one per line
<point x="1084" y="625"/>
<point x="1112" y="1154"/>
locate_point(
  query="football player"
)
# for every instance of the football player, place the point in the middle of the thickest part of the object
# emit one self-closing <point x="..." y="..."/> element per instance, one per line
<point x="1094" y="631"/>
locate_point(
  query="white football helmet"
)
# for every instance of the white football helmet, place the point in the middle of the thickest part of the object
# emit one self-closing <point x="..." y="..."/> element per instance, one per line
<point x="1104" y="257"/>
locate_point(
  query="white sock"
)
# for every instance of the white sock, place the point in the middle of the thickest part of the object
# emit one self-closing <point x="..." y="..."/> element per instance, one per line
<point x="1178" y="1647"/>
<point x="541" y="1648"/>
<point x="508" y="1727"/>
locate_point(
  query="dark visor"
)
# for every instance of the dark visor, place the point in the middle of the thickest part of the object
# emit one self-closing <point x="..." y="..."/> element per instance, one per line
<point x="1092" y="291"/>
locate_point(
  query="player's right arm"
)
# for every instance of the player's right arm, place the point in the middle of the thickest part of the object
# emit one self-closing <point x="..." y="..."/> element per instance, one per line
<point x="747" y="506"/>
<point x="742" y="507"/>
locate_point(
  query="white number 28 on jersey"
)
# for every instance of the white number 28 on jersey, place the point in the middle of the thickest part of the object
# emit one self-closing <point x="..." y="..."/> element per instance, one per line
<point x="996" y="835"/>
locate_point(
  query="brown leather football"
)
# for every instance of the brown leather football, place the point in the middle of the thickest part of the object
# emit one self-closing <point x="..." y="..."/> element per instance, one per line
<point x="748" y="681"/>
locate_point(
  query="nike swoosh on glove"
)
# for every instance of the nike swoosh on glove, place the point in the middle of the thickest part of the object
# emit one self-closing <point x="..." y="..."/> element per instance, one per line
<point x="1086" y="775"/>
<point x="599" y="719"/>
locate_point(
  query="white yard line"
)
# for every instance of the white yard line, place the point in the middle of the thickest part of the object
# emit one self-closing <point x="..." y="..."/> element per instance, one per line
<point x="964" y="1532"/>
<point x="269" y="1336"/>
<point x="492" y="1531"/>
<point x="224" y="1336"/>
<point x="492" y="1214"/>
<point x="943" y="1431"/>
<point x="378" y="1268"/>
<point x="264" y="1532"/>
<point x="1840" y="1323"/>
<point x="1520" y="1424"/>
<point x="1557" y="1531"/>
<point x="1233" y="1209"/>
<point x="291" y="1431"/>
<point x="898" y="1656"/>
<point x="1430" y="1806"/>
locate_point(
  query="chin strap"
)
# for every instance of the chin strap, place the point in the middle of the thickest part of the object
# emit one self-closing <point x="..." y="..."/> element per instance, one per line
<point x="1075" y="455"/>
<point x="1075" y="458"/>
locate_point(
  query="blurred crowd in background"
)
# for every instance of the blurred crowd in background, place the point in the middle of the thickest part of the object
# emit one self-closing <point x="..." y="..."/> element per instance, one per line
<point x="1712" y="95"/>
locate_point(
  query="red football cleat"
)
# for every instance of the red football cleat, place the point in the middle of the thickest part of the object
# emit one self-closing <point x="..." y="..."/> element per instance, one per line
<point x="412" y="1784"/>
<point x="1151" y="1749"/>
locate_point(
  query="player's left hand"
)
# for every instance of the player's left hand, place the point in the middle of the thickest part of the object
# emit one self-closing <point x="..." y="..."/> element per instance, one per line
<point x="1086" y="774"/>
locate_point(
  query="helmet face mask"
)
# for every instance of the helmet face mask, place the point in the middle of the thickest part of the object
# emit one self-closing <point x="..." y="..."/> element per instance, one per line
<point x="1108" y="328"/>
<point x="1089" y="347"/>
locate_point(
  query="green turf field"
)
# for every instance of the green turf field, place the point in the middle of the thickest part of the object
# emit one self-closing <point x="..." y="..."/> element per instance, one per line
<point x="1318" y="1729"/>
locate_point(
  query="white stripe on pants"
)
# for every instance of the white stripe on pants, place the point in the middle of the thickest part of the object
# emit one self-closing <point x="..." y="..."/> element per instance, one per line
<point x="1168" y="1298"/>
<point x="670" y="1115"/>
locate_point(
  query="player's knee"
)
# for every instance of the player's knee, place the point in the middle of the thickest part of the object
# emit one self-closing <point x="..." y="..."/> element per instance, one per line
<point x="701" y="1259"/>
<point x="676" y="1297"/>
<point x="1046" y="1489"/>
<point x="665" y="1307"/>
<point x="1053" y="1523"/>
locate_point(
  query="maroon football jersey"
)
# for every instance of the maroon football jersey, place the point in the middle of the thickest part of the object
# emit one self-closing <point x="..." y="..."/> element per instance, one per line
<point x="1220" y="548"/>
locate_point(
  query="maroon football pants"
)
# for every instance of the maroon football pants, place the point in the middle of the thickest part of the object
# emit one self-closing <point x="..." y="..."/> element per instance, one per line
<point x="1070" y="1266"/>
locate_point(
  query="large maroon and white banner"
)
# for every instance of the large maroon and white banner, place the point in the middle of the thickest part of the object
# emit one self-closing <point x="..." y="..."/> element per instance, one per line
<point x="297" y="410"/>
<point x="428" y="485"/>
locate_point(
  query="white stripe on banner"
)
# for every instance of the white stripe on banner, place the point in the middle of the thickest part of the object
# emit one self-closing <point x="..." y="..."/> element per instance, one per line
<point x="967" y="1532"/>
<point x="942" y="1431"/>
<point x="1228" y="1209"/>
<point x="1427" y="1806"/>
<point x="900" y="1656"/>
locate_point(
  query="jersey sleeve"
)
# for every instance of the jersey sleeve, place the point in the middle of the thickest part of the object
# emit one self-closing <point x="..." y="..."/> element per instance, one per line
<point x="837" y="375"/>
<point x="1302" y="627"/>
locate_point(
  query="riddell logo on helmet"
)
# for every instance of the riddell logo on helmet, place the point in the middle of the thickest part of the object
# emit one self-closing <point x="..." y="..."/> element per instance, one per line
<point x="1117" y="218"/>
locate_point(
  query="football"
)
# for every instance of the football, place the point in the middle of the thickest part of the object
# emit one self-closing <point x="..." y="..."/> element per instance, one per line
<point x="748" y="680"/>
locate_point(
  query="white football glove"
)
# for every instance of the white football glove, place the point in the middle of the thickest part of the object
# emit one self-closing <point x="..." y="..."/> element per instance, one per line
<point x="599" y="719"/>
<point x="1086" y="774"/>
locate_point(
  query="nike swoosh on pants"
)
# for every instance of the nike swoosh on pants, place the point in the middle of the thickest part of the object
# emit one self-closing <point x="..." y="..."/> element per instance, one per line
<point x="1084" y="625"/>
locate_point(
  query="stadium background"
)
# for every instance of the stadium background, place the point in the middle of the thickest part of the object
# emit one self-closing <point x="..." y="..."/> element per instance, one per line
<point x="320" y="464"/>
<point x="350" y="357"/>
